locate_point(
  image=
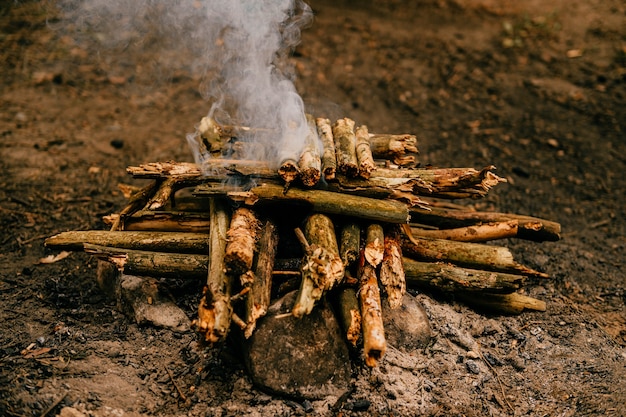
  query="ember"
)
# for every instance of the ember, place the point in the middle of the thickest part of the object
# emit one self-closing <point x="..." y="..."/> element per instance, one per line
<point x="367" y="228"/>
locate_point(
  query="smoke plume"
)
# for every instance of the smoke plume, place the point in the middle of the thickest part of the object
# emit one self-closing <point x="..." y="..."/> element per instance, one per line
<point x="239" y="46"/>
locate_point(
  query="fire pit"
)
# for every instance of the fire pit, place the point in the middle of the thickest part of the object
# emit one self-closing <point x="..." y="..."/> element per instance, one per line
<point x="352" y="218"/>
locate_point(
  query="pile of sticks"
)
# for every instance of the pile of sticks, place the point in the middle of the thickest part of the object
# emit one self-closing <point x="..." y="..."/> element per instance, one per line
<point x="351" y="217"/>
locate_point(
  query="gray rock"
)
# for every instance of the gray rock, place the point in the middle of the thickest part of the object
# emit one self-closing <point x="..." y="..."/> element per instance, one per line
<point x="406" y="327"/>
<point x="140" y="298"/>
<point x="304" y="358"/>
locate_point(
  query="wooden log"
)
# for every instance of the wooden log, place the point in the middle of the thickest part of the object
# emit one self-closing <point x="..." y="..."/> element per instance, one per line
<point x="530" y="228"/>
<point x="345" y="147"/>
<point x="323" y="202"/>
<point x="321" y="266"/>
<point x="136" y="202"/>
<point x="374" y="244"/>
<point x="242" y="238"/>
<point x="163" y="194"/>
<point x="258" y="299"/>
<point x="374" y="342"/>
<point x="391" y="273"/>
<point x="329" y="158"/>
<point x="472" y="255"/>
<point x="453" y="279"/>
<point x="350" y="245"/>
<point x="215" y="310"/>
<point x="289" y="170"/>
<point x="477" y="233"/>
<point x="146" y="241"/>
<point x="349" y="314"/>
<point x="310" y="163"/>
<point x="163" y="221"/>
<point x="513" y="303"/>
<point x="400" y="149"/>
<point x="364" y="156"/>
<point x="152" y="264"/>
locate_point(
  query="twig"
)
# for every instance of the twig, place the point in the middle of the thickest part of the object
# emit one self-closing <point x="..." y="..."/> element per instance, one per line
<point x="53" y="405"/>
<point x="180" y="391"/>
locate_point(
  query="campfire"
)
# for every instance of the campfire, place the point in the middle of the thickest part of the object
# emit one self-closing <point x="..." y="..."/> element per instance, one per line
<point x="350" y="217"/>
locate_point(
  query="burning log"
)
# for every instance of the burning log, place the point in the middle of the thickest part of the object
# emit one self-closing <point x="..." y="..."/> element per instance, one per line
<point x="345" y="147"/>
<point x="392" y="270"/>
<point x="259" y="297"/>
<point x="329" y="161"/>
<point x="321" y="266"/>
<point x="400" y="149"/>
<point x="374" y="343"/>
<point x="310" y="164"/>
<point x="364" y="153"/>
<point x="215" y="310"/>
<point x="242" y="237"/>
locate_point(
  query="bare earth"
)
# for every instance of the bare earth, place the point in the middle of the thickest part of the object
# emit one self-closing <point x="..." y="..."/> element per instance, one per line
<point x="537" y="88"/>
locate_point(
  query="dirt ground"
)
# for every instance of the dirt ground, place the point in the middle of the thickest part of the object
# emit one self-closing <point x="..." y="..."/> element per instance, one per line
<point x="537" y="88"/>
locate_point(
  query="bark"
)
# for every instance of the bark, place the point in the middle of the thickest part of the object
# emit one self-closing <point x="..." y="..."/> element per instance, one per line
<point x="349" y="314"/>
<point x="477" y="233"/>
<point x="449" y="278"/>
<point x="326" y="202"/>
<point x="258" y="299"/>
<point x="350" y="243"/>
<point x="310" y="164"/>
<point x="321" y="266"/>
<point x="364" y="153"/>
<point x="374" y="244"/>
<point x="329" y="158"/>
<point x="530" y="228"/>
<point x="152" y="264"/>
<point x="374" y="343"/>
<point x="163" y="221"/>
<point x="146" y="241"/>
<point x="471" y="255"/>
<point x="215" y="310"/>
<point x="392" y="275"/>
<point x="242" y="237"/>
<point x="345" y="147"/>
<point x="400" y="149"/>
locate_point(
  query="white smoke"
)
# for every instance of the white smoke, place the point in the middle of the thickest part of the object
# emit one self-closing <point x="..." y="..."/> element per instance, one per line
<point x="240" y="46"/>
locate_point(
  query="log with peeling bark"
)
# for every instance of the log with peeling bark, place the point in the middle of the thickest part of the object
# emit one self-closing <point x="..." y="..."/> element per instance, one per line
<point x="163" y="221"/>
<point x="321" y="267"/>
<point x="146" y="241"/>
<point x="400" y="149"/>
<point x="322" y="201"/>
<point x="258" y="298"/>
<point x="345" y="147"/>
<point x="329" y="159"/>
<point x="453" y="279"/>
<point x="363" y="152"/>
<point x="374" y="244"/>
<point x="391" y="273"/>
<point x="374" y="342"/>
<point x="215" y="310"/>
<point x="530" y="228"/>
<point x="136" y="202"/>
<point x="471" y="255"/>
<point x="513" y="303"/>
<point x="349" y="314"/>
<point x="310" y="163"/>
<point x="477" y="233"/>
<point x="242" y="237"/>
<point x="350" y="243"/>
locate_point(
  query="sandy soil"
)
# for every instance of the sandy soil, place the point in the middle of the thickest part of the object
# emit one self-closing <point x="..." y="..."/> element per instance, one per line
<point x="537" y="88"/>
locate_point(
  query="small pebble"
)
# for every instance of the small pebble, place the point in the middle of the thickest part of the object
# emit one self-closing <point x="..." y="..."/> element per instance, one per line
<point x="472" y="367"/>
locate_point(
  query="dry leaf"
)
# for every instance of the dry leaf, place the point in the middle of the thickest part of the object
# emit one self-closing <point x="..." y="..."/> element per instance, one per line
<point x="50" y="259"/>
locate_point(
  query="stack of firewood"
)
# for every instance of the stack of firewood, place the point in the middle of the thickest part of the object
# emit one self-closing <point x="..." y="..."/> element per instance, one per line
<point x="351" y="217"/>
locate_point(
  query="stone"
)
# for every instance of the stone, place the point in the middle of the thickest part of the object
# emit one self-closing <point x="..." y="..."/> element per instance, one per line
<point x="303" y="358"/>
<point x="140" y="298"/>
<point x="407" y="327"/>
